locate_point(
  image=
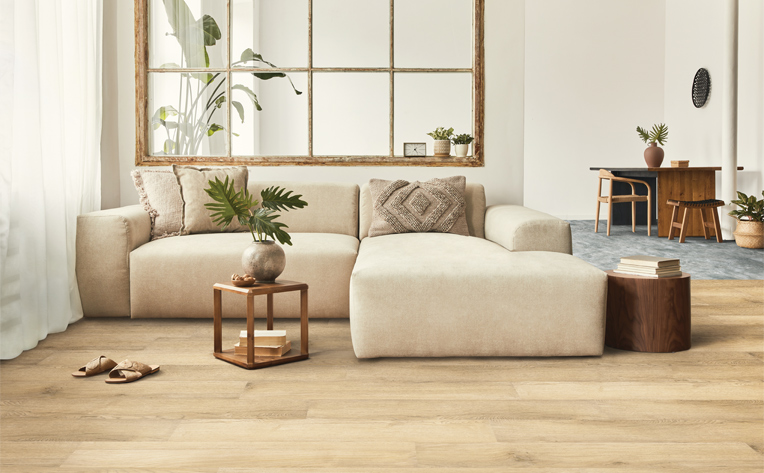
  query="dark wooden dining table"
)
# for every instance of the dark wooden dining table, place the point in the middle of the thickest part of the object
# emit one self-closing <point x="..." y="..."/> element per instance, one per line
<point x="690" y="183"/>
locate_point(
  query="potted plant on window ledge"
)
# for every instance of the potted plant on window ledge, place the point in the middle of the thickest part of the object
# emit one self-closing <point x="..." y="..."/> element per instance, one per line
<point x="263" y="259"/>
<point x="442" y="139"/>
<point x="750" y="221"/>
<point x="462" y="144"/>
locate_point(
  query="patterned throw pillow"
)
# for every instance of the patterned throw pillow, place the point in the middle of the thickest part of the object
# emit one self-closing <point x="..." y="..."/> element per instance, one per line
<point x="436" y="205"/>
<point x="193" y="181"/>
<point x="159" y="194"/>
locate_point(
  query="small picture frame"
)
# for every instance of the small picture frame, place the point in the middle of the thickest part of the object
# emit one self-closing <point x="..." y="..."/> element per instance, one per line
<point x="414" y="150"/>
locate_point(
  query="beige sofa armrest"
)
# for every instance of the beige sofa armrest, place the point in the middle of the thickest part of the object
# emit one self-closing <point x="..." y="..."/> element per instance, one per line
<point x="104" y="242"/>
<point x="518" y="228"/>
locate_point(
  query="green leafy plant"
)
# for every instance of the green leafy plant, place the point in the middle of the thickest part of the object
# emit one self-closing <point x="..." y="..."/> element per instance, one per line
<point x="240" y="205"/>
<point x="463" y="139"/>
<point x="202" y="94"/>
<point x="751" y="208"/>
<point x="659" y="134"/>
<point x="441" y="133"/>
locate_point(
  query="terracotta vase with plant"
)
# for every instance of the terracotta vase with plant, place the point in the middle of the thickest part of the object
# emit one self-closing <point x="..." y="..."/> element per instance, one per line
<point x="657" y="135"/>
<point x="750" y="221"/>
<point x="442" y="137"/>
<point x="462" y="144"/>
<point x="263" y="259"/>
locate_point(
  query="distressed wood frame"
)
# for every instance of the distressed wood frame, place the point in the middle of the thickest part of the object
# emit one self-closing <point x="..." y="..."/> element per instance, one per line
<point x="142" y="128"/>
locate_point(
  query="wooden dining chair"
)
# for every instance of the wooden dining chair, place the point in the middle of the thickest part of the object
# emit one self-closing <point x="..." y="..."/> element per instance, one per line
<point x="611" y="199"/>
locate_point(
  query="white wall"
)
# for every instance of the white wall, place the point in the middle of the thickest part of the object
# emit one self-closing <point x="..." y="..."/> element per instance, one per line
<point x="694" y="39"/>
<point x="593" y="72"/>
<point x="502" y="174"/>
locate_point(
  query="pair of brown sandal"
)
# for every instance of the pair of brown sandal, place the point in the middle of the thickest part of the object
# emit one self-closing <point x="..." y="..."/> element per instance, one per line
<point x="124" y="372"/>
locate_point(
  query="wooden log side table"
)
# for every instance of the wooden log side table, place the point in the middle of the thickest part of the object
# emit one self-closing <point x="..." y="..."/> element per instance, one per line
<point x="648" y="314"/>
<point x="250" y="361"/>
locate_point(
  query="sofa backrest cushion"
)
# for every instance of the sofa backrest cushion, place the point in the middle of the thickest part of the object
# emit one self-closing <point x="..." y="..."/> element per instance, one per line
<point x="474" y="194"/>
<point x="332" y="207"/>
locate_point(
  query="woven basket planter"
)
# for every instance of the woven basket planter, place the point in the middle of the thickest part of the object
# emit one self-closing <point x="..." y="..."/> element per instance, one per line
<point x="749" y="234"/>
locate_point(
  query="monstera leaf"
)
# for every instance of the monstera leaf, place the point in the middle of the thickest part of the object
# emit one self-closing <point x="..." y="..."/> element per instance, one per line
<point x="278" y="198"/>
<point x="263" y="221"/>
<point x="228" y="204"/>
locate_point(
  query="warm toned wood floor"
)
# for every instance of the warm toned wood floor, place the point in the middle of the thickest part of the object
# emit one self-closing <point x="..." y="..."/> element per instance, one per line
<point x="700" y="410"/>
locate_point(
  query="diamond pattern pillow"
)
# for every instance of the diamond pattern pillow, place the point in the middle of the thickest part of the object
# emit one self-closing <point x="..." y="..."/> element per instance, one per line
<point x="436" y="205"/>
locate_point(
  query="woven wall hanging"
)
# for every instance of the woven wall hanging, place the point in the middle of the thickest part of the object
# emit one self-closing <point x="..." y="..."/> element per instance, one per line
<point x="701" y="86"/>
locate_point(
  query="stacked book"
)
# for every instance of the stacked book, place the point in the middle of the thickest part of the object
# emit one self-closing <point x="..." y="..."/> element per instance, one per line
<point x="267" y="343"/>
<point x="650" y="266"/>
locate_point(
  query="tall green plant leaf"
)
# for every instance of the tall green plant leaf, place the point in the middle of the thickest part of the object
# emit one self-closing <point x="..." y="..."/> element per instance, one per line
<point x="643" y="134"/>
<point x="228" y="204"/>
<point x="278" y="198"/>
<point x="249" y="93"/>
<point x="276" y="75"/>
<point x="659" y="134"/>
<point x="263" y="221"/>
<point x="239" y="109"/>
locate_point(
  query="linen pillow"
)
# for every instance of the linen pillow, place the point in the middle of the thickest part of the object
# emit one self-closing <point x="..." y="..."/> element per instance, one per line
<point x="436" y="205"/>
<point x="159" y="194"/>
<point x="193" y="181"/>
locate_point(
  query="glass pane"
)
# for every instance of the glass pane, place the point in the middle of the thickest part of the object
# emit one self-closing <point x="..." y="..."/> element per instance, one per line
<point x="187" y="114"/>
<point x="351" y="33"/>
<point x="280" y="127"/>
<point x="187" y="33"/>
<point x="275" y="29"/>
<point x="351" y="114"/>
<point x="426" y="101"/>
<point x="433" y="33"/>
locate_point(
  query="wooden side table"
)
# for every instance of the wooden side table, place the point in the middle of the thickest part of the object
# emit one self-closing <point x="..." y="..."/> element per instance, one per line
<point x="648" y="314"/>
<point x="250" y="361"/>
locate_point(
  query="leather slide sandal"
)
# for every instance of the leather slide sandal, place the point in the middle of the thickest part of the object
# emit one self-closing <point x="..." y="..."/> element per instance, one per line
<point x="97" y="365"/>
<point x="129" y="371"/>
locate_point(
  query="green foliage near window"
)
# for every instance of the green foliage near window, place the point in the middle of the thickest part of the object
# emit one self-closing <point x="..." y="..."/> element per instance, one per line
<point x="201" y="93"/>
<point x="261" y="221"/>
<point x="463" y="139"/>
<point x="441" y="133"/>
<point x="659" y="134"/>
<point x="751" y="208"/>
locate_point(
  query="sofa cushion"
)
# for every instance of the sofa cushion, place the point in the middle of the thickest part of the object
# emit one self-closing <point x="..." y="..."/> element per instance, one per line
<point x="474" y="195"/>
<point x="159" y="194"/>
<point x="444" y="295"/>
<point x="436" y="205"/>
<point x="332" y="207"/>
<point x="173" y="277"/>
<point x="193" y="181"/>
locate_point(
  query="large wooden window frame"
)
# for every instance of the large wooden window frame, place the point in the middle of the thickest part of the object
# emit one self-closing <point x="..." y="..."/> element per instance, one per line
<point x="142" y="70"/>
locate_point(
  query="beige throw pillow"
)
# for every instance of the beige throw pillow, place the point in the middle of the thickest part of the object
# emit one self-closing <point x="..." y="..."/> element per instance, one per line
<point x="159" y="194"/>
<point x="436" y="205"/>
<point x="193" y="181"/>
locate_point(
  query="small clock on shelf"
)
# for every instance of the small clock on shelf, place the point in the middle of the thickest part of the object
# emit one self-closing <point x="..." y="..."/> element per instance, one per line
<point x="414" y="149"/>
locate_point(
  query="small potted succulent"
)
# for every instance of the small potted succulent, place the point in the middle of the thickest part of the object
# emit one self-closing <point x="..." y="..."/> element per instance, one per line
<point x="442" y="137"/>
<point x="263" y="259"/>
<point x="750" y="221"/>
<point x="654" y="153"/>
<point x="462" y="144"/>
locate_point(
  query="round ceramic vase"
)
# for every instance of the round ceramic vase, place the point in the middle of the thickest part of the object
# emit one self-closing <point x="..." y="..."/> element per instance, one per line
<point x="461" y="150"/>
<point x="653" y="155"/>
<point x="264" y="261"/>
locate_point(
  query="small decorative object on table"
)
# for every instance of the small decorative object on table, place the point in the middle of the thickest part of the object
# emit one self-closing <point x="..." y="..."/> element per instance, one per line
<point x="414" y="149"/>
<point x="263" y="259"/>
<point x="654" y="153"/>
<point x="267" y="343"/>
<point x="680" y="164"/>
<point x="242" y="281"/>
<point x="462" y="144"/>
<point x="650" y="266"/>
<point x="442" y="139"/>
<point x="750" y="221"/>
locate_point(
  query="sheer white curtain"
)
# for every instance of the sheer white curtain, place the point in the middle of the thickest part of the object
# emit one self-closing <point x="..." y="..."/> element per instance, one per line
<point x="50" y="82"/>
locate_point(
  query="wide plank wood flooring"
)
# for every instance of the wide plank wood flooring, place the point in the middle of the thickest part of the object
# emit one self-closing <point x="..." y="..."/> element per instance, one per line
<point x="696" y="411"/>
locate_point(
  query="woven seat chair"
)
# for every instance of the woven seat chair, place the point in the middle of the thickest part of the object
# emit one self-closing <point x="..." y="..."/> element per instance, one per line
<point x="701" y="205"/>
<point x="611" y="199"/>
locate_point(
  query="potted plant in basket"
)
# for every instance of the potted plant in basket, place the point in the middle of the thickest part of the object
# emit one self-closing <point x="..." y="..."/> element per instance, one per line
<point x="442" y="139"/>
<point x="654" y="153"/>
<point x="750" y="221"/>
<point x="462" y="144"/>
<point x="263" y="259"/>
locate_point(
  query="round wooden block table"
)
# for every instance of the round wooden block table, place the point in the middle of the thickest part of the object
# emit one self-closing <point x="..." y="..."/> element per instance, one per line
<point x="648" y="314"/>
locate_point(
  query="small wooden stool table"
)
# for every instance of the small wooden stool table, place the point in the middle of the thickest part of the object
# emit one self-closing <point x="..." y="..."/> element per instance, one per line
<point x="701" y="205"/>
<point x="648" y="314"/>
<point x="250" y="361"/>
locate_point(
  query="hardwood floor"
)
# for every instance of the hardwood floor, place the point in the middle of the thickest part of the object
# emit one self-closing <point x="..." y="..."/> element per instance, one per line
<point x="701" y="410"/>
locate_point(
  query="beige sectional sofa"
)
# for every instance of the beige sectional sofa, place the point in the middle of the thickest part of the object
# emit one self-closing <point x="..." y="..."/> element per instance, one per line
<point x="510" y="289"/>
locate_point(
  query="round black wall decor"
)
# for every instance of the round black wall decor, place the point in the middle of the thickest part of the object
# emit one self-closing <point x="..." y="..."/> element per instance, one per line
<point x="701" y="86"/>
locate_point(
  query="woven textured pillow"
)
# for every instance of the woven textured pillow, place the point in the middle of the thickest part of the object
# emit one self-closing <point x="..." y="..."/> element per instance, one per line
<point x="159" y="194"/>
<point x="193" y="181"/>
<point x="436" y="205"/>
